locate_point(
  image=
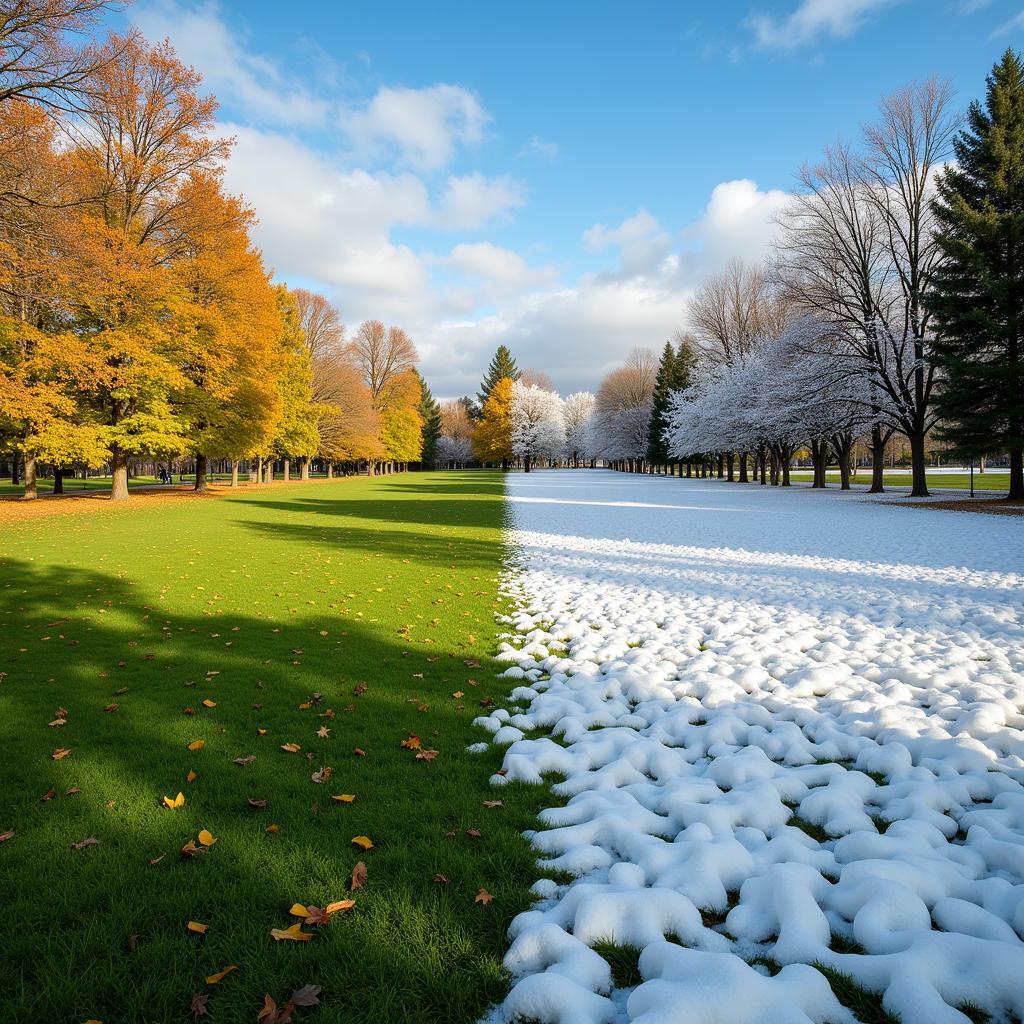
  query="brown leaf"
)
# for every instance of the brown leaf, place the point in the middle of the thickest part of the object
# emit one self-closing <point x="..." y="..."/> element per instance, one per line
<point x="156" y="860"/>
<point x="426" y="755"/>
<point x="411" y="742"/>
<point x="91" y="841"/>
<point x="443" y="879"/>
<point x="292" y="748"/>
<point x="257" y="805"/>
<point x="323" y="732"/>
<point x="72" y="791"/>
<point x="491" y="804"/>
<point x="48" y="796"/>
<point x="323" y="774"/>
<point x="359" y="753"/>
<point x="60" y="753"/>
<point x="308" y="995"/>
<point x="110" y="708"/>
<point x="4" y="836"/>
<point x="471" y="663"/>
<point x="358" y="876"/>
<point x="245" y="760"/>
<point x="132" y="943"/>
<point x="483" y="896"/>
<point x="199" y="1001"/>
<point x="121" y="692"/>
<point x="360" y="688"/>
<point x="474" y="833"/>
<point x="268" y="1015"/>
<point x="191" y="850"/>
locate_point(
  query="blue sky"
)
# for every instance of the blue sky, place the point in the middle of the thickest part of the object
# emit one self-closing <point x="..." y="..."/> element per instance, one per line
<point x="555" y="176"/>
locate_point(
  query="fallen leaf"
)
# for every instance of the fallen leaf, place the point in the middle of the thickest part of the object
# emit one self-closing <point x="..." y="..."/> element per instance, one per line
<point x="261" y="732"/>
<point x="411" y="742"/>
<point x="471" y="663"/>
<point x="4" y="836"/>
<point x="360" y="753"/>
<point x="474" y="833"/>
<point x="299" y="910"/>
<point x="197" y="745"/>
<point x="458" y="695"/>
<point x="199" y="1001"/>
<point x="206" y="838"/>
<point x="91" y="841"/>
<point x="121" y="692"/>
<point x="57" y="722"/>
<point x="339" y="907"/>
<point x="60" y="753"/>
<point x="344" y="798"/>
<point x="323" y="732"/>
<point x="483" y="896"/>
<point x="191" y="850"/>
<point x="272" y="827"/>
<point x="199" y="929"/>
<point x="245" y="760"/>
<point x="221" y="975"/>
<point x="269" y="1012"/>
<point x="132" y="943"/>
<point x="426" y="755"/>
<point x="257" y="805"/>
<point x="291" y="934"/>
<point x="207" y="703"/>
<point x="73" y="791"/>
<point x="308" y="995"/>
<point x="360" y="688"/>
<point x="358" y="876"/>
<point x="110" y="709"/>
<point x="191" y="777"/>
<point x="156" y="860"/>
<point x="443" y="879"/>
<point x="323" y="774"/>
<point x="363" y="842"/>
<point x="175" y="802"/>
<point x="292" y="748"/>
<point x="490" y="804"/>
<point x="48" y="796"/>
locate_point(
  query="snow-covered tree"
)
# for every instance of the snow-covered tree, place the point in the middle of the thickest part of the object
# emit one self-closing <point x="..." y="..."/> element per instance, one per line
<point x="577" y="411"/>
<point x="538" y="423"/>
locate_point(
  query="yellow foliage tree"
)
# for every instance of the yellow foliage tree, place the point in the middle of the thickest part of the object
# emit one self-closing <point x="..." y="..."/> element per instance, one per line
<point x="492" y="439"/>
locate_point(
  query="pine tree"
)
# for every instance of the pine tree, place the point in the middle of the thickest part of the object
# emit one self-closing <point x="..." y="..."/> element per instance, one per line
<point x="674" y="374"/>
<point x="978" y="300"/>
<point x="502" y="365"/>
<point x="430" y="413"/>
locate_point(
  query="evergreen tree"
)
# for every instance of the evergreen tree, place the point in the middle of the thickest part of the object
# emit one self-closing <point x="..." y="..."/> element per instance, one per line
<point x="502" y="365"/>
<point x="674" y="374"/>
<point x="430" y="413"/>
<point x="473" y="411"/>
<point x="978" y="299"/>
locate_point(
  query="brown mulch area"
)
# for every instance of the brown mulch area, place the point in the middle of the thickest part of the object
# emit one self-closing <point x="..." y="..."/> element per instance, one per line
<point x="17" y="510"/>
<point x="989" y="506"/>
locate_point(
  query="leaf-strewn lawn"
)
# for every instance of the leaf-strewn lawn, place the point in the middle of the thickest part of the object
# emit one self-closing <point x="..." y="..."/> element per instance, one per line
<point x="213" y="619"/>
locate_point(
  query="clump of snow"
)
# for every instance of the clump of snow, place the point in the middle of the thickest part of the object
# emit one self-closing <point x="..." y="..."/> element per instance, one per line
<point x="791" y="730"/>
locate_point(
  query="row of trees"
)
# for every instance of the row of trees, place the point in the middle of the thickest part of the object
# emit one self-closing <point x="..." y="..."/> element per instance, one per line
<point x="137" y="320"/>
<point x="891" y="303"/>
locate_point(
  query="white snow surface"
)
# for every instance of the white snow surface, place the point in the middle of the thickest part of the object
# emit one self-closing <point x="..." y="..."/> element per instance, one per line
<point x="790" y="729"/>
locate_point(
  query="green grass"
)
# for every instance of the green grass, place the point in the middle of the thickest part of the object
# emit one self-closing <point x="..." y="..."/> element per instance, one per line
<point x="989" y="481"/>
<point x="282" y="593"/>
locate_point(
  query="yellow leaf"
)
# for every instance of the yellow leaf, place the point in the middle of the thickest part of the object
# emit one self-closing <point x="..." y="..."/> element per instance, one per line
<point x="293" y="934"/>
<point x="299" y="910"/>
<point x="197" y="745"/>
<point x="458" y="695"/>
<point x="363" y="842"/>
<point x="178" y="801"/>
<point x="206" y="838"/>
<point x="344" y="798"/>
<point x="272" y="827"/>
<point x="209" y="703"/>
<point x="199" y="929"/>
<point x="338" y="906"/>
<point x="60" y="753"/>
<point x="220" y="975"/>
<point x="261" y="732"/>
<point x="292" y="748"/>
<point x="191" y="777"/>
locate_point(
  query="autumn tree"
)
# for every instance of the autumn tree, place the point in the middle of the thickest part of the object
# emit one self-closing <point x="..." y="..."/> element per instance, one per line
<point x="492" y="439"/>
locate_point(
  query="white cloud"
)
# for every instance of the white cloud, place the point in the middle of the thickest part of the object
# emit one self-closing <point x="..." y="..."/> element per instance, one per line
<point x="536" y="146"/>
<point x="473" y="200"/>
<point x="251" y="82"/>
<point x="495" y="264"/>
<point x="600" y="236"/>
<point x="812" y="20"/>
<point x="739" y="220"/>
<point x="1016" y="22"/>
<point x="422" y="127"/>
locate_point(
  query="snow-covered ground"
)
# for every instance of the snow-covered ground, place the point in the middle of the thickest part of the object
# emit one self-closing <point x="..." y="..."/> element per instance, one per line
<point x="790" y="729"/>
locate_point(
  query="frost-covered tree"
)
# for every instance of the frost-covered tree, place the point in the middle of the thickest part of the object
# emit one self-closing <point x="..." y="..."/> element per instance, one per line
<point x="538" y="424"/>
<point x="620" y="426"/>
<point x="578" y="410"/>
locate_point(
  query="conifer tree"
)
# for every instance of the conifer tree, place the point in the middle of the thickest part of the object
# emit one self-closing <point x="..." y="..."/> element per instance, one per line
<point x="674" y="374"/>
<point x="502" y="365"/>
<point x="978" y="302"/>
<point x="430" y="413"/>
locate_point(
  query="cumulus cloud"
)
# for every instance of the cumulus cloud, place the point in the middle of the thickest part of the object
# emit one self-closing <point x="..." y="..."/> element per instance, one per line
<point x="422" y="127"/>
<point x="473" y="200"/>
<point x="490" y="262"/>
<point x="812" y="20"/>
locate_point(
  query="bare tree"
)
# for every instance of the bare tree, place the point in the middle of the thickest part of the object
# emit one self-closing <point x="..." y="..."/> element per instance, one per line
<point x="383" y="355"/>
<point x="730" y="311"/>
<point x="455" y="421"/>
<point x="905" y="147"/>
<point x="321" y="323"/>
<point x="537" y="378"/>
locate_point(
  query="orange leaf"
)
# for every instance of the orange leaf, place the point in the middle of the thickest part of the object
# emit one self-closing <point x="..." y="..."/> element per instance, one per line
<point x="191" y="777"/>
<point x="292" y="934"/>
<point x="206" y="838"/>
<point x="358" y="876"/>
<point x="343" y="798"/>
<point x="60" y="753"/>
<point x="199" y="929"/>
<point x="339" y="906"/>
<point x="209" y="703"/>
<point x="411" y="742"/>
<point x="272" y="827"/>
<point x="220" y="975"/>
<point x="197" y="745"/>
<point x="261" y="732"/>
<point x="363" y="842"/>
<point x="360" y="753"/>
<point x="299" y="910"/>
<point x="292" y="748"/>
<point x="483" y="896"/>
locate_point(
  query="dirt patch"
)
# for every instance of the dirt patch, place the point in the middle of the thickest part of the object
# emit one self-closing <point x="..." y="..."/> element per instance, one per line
<point x="988" y="506"/>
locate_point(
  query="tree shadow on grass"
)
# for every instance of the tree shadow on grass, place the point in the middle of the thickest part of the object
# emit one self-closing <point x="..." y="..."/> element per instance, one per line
<point x="413" y="949"/>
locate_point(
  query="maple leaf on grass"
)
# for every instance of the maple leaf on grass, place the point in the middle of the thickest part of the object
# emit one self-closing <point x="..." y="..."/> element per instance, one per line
<point x="308" y="995"/>
<point x="199" y="1001"/>
<point x="358" y="876"/>
<point x="483" y="896"/>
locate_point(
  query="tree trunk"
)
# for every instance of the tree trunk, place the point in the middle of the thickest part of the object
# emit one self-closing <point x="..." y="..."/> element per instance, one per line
<point x="58" y="480"/>
<point x="743" y="468"/>
<point x="721" y="465"/>
<point x="14" y="470"/>
<point x="919" y="475"/>
<point x="287" y="470"/>
<point x="877" y="461"/>
<point x="119" y="471"/>
<point x="330" y="470"/>
<point x="201" y="466"/>
<point x="234" y="472"/>
<point x="526" y="464"/>
<point x="305" y="467"/>
<point x="1016" y="491"/>
<point x="730" y="458"/>
<point x="31" y="491"/>
<point x="763" y="459"/>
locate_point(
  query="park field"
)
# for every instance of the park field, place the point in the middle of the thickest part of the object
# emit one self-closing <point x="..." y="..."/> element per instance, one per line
<point x="182" y="643"/>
